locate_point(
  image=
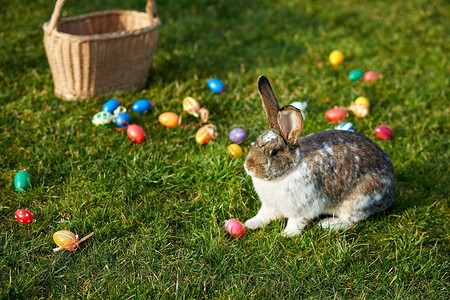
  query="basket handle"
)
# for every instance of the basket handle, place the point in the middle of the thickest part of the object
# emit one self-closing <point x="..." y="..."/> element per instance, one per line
<point x="150" y="8"/>
<point x="55" y="15"/>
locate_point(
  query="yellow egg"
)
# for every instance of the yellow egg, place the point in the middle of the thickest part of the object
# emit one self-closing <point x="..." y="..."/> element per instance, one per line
<point x="64" y="237"/>
<point x="191" y="106"/>
<point x="169" y="119"/>
<point x="362" y="100"/>
<point x="235" y="151"/>
<point x="205" y="134"/>
<point x="336" y="57"/>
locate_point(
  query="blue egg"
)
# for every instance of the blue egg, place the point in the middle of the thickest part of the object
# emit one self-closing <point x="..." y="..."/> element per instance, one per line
<point x="216" y="86"/>
<point x="142" y="106"/>
<point x="111" y="105"/>
<point x="123" y="119"/>
<point x="345" y="126"/>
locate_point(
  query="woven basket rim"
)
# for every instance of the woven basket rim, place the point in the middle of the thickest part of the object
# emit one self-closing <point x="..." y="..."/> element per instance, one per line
<point x="101" y="36"/>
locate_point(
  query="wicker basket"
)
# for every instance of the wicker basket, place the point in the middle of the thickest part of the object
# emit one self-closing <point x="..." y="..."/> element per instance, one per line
<point x="101" y="52"/>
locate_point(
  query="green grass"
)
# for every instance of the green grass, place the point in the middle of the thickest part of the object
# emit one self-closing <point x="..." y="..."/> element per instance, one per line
<point x="157" y="209"/>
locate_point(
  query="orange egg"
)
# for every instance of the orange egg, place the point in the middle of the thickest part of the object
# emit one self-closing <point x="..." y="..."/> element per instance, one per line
<point x="360" y="110"/>
<point x="64" y="237"/>
<point x="169" y="119"/>
<point x="205" y="134"/>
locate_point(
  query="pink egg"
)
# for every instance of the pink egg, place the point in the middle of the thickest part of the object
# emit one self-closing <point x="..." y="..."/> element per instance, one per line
<point x="335" y="115"/>
<point x="235" y="228"/>
<point x="370" y="77"/>
<point x="136" y="133"/>
<point x="383" y="132"/>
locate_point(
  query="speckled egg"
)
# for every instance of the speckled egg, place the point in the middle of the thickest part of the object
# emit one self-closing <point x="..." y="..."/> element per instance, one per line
<point x="24" y="216"/>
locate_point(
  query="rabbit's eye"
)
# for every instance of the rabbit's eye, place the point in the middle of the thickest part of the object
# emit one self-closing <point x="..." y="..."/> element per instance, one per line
<point x="274" y="153"/>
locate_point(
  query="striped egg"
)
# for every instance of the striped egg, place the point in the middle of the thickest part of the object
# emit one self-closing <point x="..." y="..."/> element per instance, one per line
<point x="102" y="118"/>
<point x="383" y="132"/>
<point x="65" y="237"/>
<point x="345" y="126"/>
<point x="235" y="151"/>
<point x="205" y="134"/>
<point x="191" y="106"/>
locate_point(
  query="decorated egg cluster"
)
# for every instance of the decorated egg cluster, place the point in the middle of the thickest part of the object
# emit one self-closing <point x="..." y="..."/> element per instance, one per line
<point x="361" y="105"/>
<point x="113" y="112"/>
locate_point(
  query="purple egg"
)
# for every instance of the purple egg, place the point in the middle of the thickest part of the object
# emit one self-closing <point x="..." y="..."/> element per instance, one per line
<point x="237" y="135"/>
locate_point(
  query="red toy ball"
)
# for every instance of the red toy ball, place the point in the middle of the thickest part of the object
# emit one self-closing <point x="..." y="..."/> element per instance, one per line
<point x="335" y="115"/>
<point x="136" y="133"/>
<point x="235" y="228"/>
<point x="383" y="132"/>
<point x="24" y="216"/>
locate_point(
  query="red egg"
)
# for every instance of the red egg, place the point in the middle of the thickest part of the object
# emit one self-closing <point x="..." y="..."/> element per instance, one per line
<point x="383" y="132"/>
<point x="136" y="133"/>
<point x="335" y="115"/>
<point x="370" y="77"/>
<point x="24" y="216"/>
<point x="235" y="228"/>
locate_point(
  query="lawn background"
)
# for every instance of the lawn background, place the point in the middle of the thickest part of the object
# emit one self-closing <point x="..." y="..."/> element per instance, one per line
<point x="157" y="209"/>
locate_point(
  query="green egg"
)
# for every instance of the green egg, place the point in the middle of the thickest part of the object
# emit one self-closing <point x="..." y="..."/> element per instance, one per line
<point x="355" y="75"/>
<point x="22" y="181"/>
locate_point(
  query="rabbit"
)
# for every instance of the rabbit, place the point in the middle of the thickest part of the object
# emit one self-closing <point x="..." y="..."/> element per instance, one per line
<point x="335" y="173"/>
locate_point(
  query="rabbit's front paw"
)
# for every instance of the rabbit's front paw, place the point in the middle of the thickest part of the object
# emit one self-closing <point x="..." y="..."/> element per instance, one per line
<point x="294" y="226"/>
<point x="254" y="223"/>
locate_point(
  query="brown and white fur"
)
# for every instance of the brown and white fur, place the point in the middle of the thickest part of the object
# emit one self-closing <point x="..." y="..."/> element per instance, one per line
<point x="342" y="174"/>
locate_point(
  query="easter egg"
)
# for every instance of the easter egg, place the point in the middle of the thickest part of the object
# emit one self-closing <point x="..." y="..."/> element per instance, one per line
<point x="383" y="132"/>
<point x="111" y="105"/>
<point x="136" y="133"/>
<point x="191" y="106"/>
<point x="370" y="77"/>
<point x="362" y="100"/>
<point x="237" y="135"/>
<point x="65" y="237"/>
<point x="360" y="110"/>
<point x="345" y="126"/>
<point x="216" y="86"/>
<point x="123" y="119"/>
<point x="205" y="134"/>
<point x="102" y="118"/>
<point x="335" y="115"/>
<point x="336" y="57"/>
<point x="22" y="181"/>
<point x="169" y="119"/>
<point x="235" y="228"/>
<point x="235" y="151"/>
<point x="355" y="75"/>
<point x="24" y="216"/>
<point x="142" y="106"/>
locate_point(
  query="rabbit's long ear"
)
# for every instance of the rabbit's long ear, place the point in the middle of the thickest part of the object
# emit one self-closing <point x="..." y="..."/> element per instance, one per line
<point x="269" y="101"/>
<point x="290" y="121"/>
